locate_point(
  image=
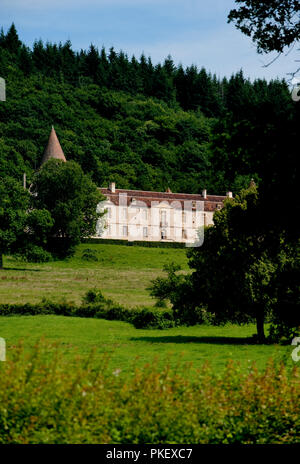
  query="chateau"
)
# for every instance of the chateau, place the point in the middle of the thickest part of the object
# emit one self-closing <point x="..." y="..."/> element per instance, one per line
<point x="150" y="216"/>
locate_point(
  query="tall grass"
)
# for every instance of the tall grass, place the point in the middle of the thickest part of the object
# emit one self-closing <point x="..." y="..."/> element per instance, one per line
<point x="45" y="400"/>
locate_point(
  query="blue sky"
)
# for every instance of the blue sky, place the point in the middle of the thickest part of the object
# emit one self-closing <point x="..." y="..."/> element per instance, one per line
<point x="191" y="31"/>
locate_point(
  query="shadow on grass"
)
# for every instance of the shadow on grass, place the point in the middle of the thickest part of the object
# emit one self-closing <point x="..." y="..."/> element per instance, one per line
<point x="208" y="340"/>
<point x="19" y="269"/>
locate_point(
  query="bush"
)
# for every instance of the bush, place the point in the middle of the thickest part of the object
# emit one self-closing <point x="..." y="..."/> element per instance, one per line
<point x="142" y="243"/>
<point x="46" y="400"/>
<point x="152" y="318"/>
<point x="160" y="304"/>
<point x="89" y="255"/>
<point x="282" y="333"/>
<point x="97" y="306"/>
<point x="93" y="296"/>
<point x="35" y="254"/>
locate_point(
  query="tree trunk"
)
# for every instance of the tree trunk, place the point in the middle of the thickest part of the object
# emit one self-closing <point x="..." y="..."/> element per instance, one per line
<point x="260" y="326"/>
<point x="1" y="260"/>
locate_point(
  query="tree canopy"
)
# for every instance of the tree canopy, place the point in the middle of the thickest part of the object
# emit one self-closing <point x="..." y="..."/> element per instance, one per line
<point x="71" y="198"/>
<point x="239" y="274"/>
<point x="146" y="127"/>
<point x="272" y="24"/>
<point x="14" y="201"/>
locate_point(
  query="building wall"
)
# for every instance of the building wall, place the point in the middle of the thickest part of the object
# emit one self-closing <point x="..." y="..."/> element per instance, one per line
<point x="163" y="221"/>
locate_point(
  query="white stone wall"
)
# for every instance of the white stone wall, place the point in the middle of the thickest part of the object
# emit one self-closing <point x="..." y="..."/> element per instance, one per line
<point x="160" y="222"/>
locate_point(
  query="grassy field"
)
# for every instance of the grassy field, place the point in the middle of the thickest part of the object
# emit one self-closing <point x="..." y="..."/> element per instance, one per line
<point x="123" y="274"/>
<point x="128" y="347"/>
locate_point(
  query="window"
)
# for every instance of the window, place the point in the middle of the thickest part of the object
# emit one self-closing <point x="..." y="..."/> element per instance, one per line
<point x="163" y="234"/>
<point x="124" y="213"/>
<point x="145" y="231"/>
<point x="145" y="214"/>
<point x="108" y="213"/>
<point x="125" y="231"/>
<point x="163" y="218"/>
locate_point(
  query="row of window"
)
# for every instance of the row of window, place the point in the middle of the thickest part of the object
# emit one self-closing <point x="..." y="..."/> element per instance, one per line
<point x="124" y="213"/>
<point x="145" y="215"/>
<point x="163" y="232"/>
<point x="125" y="231"/>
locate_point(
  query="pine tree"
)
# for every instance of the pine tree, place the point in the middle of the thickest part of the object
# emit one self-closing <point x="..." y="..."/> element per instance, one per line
<point x="12" y="42"/>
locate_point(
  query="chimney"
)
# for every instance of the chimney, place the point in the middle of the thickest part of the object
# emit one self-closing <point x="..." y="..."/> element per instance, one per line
<point x="204" y="193"/>
<point x="112" y="187"/>
<point x="229" y="194"/>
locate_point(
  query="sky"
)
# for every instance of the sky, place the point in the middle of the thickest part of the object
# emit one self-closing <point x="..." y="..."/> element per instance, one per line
<point x="191" y="31"/>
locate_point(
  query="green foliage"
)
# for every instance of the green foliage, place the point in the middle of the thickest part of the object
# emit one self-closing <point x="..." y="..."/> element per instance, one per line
<point x="235" y="268"/>
<point x="153" y="318"/>
<point x="153" y="405"/>
<point x="14" y="201"/>
<point x="285" y="324"/>
<point x="89" y="255"/>
<point x="93" y="296"/>
<point x="271" y="24"/>
<point x="95" y="305"/>
<point x="139" y="243"/>
<point x="236" y="272"/>
<point x="34" y="254"/>
<point x="177" y="289"/>
<point x="70" y="197"/>
<point x="146" y="127"/>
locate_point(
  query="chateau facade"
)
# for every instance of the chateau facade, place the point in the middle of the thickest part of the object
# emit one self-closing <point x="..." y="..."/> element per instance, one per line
<point x="149" y="216"/>
<point x="156" y="216"/>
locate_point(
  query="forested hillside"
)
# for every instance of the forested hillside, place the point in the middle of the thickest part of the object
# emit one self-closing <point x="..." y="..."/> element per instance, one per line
<point x="142" y="125"/>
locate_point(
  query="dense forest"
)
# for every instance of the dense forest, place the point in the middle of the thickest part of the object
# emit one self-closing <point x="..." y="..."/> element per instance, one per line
<point x="142" y="125"/>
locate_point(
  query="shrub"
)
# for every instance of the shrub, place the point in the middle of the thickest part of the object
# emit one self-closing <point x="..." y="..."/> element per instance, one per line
<point x="141" y="243"/>
<point x="97" y="306"/>
<point x="43" y="399"/>
<point x="282" y="333"/>
<point x="160" y="304"/>
<point x="151" y="318"/>
<point x="93" y="296"/>
<point x="35" y="254"/>
<point x="89" y="255"/>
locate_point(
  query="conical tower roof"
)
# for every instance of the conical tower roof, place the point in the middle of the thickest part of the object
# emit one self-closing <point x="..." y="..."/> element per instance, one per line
<point x="53" y="148"/>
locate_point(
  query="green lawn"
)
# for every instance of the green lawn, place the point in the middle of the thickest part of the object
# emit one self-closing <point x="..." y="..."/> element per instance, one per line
<point x="128" y="346"/>
<point x="121" y="272"/>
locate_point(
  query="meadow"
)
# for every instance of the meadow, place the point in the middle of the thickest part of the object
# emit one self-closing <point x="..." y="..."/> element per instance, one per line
<point x="123" y="274"/>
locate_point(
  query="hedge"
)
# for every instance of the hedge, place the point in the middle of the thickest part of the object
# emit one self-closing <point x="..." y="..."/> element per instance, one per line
<point x="142" y="243"/>
<point x="141" y="318"/>
<point x="43" y="399"/>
